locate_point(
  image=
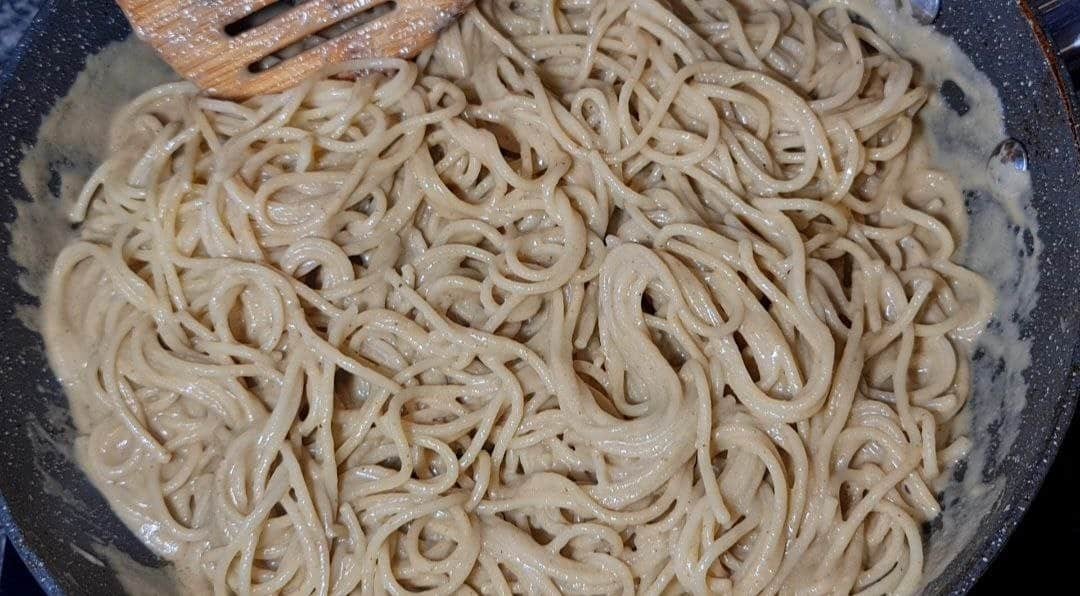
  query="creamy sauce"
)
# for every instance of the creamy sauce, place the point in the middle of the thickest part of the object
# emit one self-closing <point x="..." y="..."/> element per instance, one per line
<point x="1003" y="244"/>
<point x="138" y="579"/>
<point x="72" y="141"/>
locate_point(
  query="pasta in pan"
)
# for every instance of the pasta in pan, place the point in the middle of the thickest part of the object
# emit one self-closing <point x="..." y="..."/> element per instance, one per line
<point x="593" y="297"/>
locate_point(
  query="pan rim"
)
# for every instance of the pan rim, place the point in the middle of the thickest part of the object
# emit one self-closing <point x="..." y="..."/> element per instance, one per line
<point x="14" y="533"/>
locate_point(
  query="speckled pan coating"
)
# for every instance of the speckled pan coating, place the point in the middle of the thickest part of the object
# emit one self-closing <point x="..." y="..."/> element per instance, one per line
<point x="995" y="33"/>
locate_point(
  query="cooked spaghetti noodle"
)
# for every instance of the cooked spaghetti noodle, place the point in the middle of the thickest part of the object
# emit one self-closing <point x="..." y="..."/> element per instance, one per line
<point x="594" y="297"/>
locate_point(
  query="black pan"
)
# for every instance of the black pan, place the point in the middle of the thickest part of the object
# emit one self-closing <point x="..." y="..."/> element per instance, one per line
<point x="59" y="523"/>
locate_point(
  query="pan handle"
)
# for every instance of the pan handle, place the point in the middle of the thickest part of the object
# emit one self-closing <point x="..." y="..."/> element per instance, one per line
<point x="1061" y="23"/>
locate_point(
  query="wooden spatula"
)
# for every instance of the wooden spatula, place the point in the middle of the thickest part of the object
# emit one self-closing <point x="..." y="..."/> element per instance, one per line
<point x="239" y="48"/>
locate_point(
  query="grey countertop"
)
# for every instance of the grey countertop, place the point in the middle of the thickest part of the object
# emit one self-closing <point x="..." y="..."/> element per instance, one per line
<point x="15" y="15"/>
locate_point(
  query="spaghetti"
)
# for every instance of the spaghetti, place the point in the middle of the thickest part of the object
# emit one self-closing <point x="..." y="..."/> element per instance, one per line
<point x="593" y="297"/>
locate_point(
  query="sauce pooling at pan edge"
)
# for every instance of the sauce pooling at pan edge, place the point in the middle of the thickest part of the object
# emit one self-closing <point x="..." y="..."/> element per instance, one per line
<point x="593" y="297"/>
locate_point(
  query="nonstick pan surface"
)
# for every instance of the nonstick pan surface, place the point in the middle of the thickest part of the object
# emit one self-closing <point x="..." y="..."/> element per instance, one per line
<point x="59" y="523"/>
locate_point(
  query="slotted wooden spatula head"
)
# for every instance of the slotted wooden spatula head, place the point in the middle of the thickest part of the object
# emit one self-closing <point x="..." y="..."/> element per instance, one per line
<point x="239" y="48"/>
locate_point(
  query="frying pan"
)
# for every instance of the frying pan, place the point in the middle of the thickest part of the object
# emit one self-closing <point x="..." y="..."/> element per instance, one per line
<point x="73" y="543"/>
